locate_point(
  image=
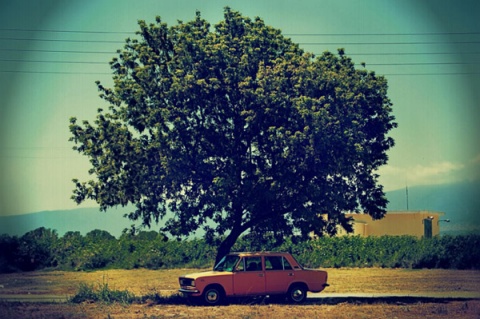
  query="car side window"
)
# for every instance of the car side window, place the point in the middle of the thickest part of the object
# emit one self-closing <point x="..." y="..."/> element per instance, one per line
<point x="273" y="263"/>
<point x="253" y="263"/>
<point x="277" y="263"/>
<point x="286" y="264"/>
<point x="241" y="265"/>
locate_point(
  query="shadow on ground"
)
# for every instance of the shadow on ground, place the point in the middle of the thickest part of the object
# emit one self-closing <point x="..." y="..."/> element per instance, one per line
<point x="178" y="300"/>
<point x="395" y="300"/>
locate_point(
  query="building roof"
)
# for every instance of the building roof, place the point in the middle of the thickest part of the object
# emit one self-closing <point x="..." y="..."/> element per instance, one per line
<point x="405" y="212"/>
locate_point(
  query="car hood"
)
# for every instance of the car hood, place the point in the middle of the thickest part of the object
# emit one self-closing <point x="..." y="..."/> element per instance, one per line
<point x="211" y="273"/>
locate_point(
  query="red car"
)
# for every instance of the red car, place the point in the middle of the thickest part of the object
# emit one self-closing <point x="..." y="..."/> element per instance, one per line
<point x="253" y="274"/>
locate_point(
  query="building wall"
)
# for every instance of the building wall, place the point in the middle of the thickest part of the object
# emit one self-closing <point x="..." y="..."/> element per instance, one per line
<point x="396" y="223"/>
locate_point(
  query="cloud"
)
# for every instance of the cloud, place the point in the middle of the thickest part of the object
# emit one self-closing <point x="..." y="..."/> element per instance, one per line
<point x="394" y="177"/>
<point x="476" y="160"/>
<point x="443" y="170"/>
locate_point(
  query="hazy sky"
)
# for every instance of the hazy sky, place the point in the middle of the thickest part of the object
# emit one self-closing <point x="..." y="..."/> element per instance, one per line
<point x="52" y="52"/>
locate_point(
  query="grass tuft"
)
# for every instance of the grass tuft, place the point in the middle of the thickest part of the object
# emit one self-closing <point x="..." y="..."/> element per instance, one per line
<point x="102" y="293"/>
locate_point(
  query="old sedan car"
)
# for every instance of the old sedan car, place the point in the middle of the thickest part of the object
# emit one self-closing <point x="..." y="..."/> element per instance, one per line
<point x="253" y="274"/>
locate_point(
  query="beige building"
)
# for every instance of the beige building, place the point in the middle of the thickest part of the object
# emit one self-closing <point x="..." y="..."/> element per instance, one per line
<point x="395" y="223"/>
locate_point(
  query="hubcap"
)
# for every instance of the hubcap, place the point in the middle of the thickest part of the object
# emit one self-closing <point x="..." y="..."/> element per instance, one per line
<point x="297" y="294"/>
<point x="212" y="296"/>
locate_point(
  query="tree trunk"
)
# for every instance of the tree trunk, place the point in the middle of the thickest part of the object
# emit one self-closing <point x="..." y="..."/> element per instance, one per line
<point x="227" y="244"/>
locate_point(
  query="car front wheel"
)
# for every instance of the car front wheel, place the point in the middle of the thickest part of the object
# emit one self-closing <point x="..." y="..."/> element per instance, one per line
<point x="297" y="294"/>
<point x="213" y="296"/>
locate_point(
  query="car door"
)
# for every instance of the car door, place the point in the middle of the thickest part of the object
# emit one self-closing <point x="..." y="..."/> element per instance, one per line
<point x="248" y="277"/>
<point x="278" y="275"/>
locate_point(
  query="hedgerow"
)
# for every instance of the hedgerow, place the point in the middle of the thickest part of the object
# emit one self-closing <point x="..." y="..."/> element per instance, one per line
<point x="43" y="248"/>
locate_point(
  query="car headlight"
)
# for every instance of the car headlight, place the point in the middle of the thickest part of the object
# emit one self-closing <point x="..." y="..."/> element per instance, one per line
<point x="187" y="282"/>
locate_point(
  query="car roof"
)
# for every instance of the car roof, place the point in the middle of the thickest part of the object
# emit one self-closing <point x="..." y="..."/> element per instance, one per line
<point x="258" y="253"/>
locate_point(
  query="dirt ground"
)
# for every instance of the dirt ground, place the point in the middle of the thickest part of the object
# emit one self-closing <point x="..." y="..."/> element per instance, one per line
<point x="147" y="282"/>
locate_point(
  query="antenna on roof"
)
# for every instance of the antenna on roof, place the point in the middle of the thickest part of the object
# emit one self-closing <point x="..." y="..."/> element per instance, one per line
<point x="406" y="193"/>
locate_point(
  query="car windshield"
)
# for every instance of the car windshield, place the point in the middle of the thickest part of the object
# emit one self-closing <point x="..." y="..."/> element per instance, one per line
<point x="227" y="263"/>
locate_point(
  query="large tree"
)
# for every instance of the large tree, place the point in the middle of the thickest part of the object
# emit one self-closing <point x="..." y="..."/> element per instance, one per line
<point x="235" y="127"/>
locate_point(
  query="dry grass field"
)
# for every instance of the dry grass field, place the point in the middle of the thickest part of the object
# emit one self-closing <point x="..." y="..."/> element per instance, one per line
<point x="148" y="282"/>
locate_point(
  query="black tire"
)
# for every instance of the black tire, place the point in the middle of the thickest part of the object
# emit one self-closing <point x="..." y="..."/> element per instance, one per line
<point x="297" y="294"/>
<point x="213" y="296"/>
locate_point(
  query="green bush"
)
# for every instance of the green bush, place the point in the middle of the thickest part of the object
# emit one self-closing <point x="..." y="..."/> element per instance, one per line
<point x="42" y="248"/>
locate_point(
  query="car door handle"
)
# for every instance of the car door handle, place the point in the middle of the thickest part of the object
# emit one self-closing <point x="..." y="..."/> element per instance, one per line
<point x="260" y="275"/>
<point x="290" y="274"/>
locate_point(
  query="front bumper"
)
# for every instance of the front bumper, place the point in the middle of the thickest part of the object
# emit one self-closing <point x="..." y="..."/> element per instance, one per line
<point x="188" y="291"/>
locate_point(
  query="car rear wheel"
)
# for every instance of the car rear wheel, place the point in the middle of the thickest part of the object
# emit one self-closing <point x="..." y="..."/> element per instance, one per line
<point x="213" y="296"/>
<point x="297" y="294"/>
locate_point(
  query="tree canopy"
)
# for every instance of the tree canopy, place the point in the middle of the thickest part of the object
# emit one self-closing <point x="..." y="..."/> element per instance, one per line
<point x="235" y="127"/>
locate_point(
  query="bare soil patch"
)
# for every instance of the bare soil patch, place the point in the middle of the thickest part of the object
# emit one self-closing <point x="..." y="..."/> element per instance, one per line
<point x="143" y="282"/>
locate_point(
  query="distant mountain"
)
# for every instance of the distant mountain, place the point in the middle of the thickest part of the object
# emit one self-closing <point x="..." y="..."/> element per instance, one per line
<point x="459" y="202"/>
<point x="81" y="219"/>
